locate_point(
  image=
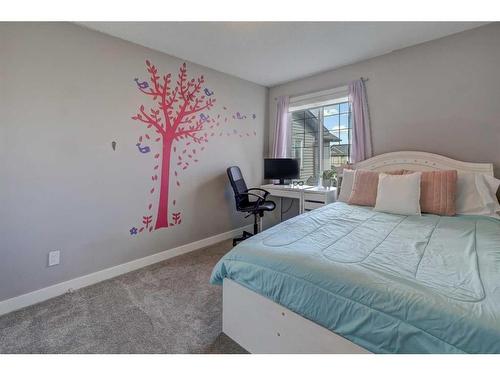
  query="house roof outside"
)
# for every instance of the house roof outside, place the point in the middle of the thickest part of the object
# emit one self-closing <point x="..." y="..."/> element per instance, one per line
<point x="339" y="150"/>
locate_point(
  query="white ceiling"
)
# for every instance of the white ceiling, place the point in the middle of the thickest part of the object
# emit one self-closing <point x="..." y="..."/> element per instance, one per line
<point x="270" y="53"/>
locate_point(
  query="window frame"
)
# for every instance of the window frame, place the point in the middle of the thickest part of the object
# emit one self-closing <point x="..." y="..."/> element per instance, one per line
<point x="321" y="100"/>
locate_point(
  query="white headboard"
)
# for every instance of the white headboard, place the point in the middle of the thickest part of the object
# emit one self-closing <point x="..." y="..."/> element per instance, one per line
<point x="421" y="161"/>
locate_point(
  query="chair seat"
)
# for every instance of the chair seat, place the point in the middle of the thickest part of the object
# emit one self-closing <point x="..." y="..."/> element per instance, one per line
<point x="264" y="206"/>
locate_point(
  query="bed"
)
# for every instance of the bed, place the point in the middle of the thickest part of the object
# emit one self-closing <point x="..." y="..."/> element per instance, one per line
<point x="347" y="279"/>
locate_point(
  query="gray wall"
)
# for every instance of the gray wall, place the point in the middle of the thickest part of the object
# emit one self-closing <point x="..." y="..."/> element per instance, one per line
<point x="442" y="96"/>
<point x="65" y="94"/>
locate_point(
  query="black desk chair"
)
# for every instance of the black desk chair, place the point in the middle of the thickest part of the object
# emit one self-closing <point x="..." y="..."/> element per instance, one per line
<point x="244" y="204"/>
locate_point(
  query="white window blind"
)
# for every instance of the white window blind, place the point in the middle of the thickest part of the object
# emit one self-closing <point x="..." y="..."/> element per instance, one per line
<point x="318" y="99"/>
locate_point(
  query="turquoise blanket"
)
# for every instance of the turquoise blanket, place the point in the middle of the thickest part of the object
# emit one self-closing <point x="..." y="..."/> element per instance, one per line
<point x="389" y="283"/>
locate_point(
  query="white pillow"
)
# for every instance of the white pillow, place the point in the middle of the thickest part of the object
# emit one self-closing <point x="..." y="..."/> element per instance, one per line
<point x="490" y="194"/>
<point x="476" y="195"/>
<point x="346" y="187"/>
<point x="468" y="201"/>
<point x="399" y="194"/>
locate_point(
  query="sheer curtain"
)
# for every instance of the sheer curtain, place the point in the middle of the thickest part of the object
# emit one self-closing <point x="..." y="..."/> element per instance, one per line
<point x="361" y="147"/>
<point x="282" y="132"/>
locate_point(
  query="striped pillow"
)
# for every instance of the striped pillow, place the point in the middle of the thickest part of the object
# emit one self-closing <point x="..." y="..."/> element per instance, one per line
<point x="364" y="188"/>
<point x="438" y="190"/>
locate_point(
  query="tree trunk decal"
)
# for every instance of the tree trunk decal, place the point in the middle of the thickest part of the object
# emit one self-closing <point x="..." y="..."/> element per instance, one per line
<point x="180" y="123"/>
<point x="162" y="214"/>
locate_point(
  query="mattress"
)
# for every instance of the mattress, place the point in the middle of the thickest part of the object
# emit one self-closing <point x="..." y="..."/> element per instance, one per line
<point x="389" y="283"/>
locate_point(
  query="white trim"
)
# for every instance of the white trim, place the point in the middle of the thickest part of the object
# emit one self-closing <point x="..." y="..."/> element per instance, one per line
<point x="312" y="95"/>
<point x="318" y="99"/>
<point x="55" y="290"/>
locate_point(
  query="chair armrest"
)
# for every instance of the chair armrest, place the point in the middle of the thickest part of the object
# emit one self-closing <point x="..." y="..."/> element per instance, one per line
<point x="259" y="198"/>
<point x="266" y="193"/>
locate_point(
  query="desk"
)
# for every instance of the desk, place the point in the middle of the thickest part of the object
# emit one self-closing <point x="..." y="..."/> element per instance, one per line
<point x="310" y="197"/>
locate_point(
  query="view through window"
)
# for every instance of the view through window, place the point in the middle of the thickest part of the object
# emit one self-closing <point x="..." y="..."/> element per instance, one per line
<point x="321" y="138"/>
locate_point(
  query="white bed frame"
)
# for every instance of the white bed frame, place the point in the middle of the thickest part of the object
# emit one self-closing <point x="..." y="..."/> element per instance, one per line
<point x="262" y="326"/>
<point x="421" y="161"/>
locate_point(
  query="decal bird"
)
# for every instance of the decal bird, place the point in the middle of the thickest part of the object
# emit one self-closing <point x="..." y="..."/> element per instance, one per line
<point x="143" y="149"/>
<point x="142" y="85"/>
<point x="203" y="118"/>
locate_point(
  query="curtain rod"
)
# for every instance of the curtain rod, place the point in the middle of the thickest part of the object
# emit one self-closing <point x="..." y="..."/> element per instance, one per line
<point x="364" y="79"/>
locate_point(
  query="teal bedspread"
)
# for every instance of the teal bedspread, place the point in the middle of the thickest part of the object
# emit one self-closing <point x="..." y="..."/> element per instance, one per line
<point x="389" y="283"/>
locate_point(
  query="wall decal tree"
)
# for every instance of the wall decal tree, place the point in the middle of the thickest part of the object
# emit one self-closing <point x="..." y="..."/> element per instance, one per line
<point x="181" y="124"/>
<point x="171" y="118"/>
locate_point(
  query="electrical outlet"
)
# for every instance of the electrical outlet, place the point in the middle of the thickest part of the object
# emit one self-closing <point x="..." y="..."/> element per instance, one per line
<point x="54" y="258"/>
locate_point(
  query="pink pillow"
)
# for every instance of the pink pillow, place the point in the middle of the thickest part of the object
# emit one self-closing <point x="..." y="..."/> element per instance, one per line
<point x="364" y="188"/>
<point x="438" y="190"/>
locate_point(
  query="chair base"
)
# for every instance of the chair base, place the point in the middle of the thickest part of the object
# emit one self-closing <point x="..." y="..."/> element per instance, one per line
<point x="257" y="227"/>
<point x="242" y="238"/>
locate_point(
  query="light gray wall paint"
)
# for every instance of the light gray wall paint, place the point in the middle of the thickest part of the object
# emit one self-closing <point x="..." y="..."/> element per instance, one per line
<point x="442" y="96"/>
<point x="65" y="94"/>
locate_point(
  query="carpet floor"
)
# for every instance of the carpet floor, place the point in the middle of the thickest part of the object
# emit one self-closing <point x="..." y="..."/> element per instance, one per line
<point x="168" y="307"/>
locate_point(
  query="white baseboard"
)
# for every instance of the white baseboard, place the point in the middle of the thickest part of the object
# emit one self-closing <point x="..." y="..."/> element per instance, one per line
<point x="55" y="290"/>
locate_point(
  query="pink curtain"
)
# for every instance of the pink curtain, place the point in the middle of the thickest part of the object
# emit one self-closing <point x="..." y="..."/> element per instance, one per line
<point x="281" y="129"/>
<point x="361" y="148"/>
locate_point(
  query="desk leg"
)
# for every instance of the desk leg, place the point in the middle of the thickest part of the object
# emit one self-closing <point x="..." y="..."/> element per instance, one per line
<point x="281" y="209"/>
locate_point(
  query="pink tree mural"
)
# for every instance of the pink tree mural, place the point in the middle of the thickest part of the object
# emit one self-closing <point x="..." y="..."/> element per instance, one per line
<point x="173" y="117"/>
<point x="179" y="122"/>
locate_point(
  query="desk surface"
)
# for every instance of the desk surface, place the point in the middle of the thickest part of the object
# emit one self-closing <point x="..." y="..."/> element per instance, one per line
<point x="289" y="187"/>
<point x="320" y="189"/>
<point x="286" y="187"/>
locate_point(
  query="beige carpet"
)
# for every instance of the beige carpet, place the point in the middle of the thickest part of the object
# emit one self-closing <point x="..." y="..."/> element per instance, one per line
<point x="168" y="307"/>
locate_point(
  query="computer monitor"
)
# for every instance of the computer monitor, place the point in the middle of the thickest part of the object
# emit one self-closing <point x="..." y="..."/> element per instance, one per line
<point x="281" y="169"/>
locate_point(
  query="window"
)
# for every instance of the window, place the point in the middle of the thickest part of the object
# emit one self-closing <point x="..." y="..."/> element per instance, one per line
<point x="321" y="138"/>
<point x="298" y="150"/>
